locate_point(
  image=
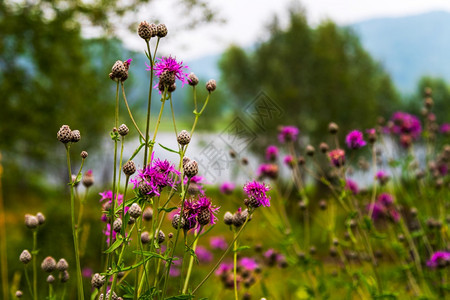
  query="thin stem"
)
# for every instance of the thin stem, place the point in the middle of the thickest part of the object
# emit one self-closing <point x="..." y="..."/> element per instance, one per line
<point x="74" y="229"/>
<point x="3" y="243"/>
<point x="236" y="297"/>
<point x="27" y="278"/>
<point x="163" y="101"/>
<point x="191" y="264"/>
<point x="198" y="114"/>
<point x="223" y="255"/>
<point x="147" y="127"/>
<point x="129" y="112"/>
<point x="35" y="264"/>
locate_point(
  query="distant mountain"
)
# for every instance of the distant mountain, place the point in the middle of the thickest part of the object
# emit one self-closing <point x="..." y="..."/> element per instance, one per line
<point x="409" y="47"/>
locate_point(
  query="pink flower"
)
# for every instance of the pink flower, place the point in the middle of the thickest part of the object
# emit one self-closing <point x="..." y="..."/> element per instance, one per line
<point x="351" y="186"/>
<point x="354" y="140"/>
<point x="218" y="242"/>
<point x="288" y="134"/>
<point x="257" y="190"/>
<point x="439" y="258"/>
<point x="248" y="263"/>
<point x="272" y="153"/>
<point x="227" y="188"/>
<point x="337" y="157"/>
<point x="203" y="254"/>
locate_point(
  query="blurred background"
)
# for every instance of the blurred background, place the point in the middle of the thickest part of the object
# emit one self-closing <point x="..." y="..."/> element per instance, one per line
<point x="348" y="61"/>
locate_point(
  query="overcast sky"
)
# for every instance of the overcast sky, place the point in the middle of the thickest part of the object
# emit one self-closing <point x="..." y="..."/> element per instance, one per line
<point x="246" y="20"/>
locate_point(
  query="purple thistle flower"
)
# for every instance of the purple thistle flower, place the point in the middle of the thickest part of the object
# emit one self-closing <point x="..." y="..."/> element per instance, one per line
<point x="171" y="65"/>
<point x="227" y="188"/>
<point x="378" y="210"/>
<point x="155" y="176"/>
<point x="354" y="140"/>
<point x="198" y="182"/>
<point x="257" y="190"/>
<point x="352" y="186"/>
<point x="438" y="258"/>
<point x="382" y="177"/>
<point x="445" y="128"/>
<point x="175" y="269"/>
<point x="87" y="272"/>
<point x="203" y="254"/>
<point x="337" y="157"/>
<point x="288" y="134"/>
<point x="404" y="123"/>
<point x="385" y="199"/>
<point x="107" y="232"/>
<point x="288" y="160"/>
<point x="267" y="170"/>
<point x="204" y="203"/>
<point x="248" y="263"/>
<point x="272" y="153"/>
<point x="224" y="268"/>
<point x="218" y="243"/>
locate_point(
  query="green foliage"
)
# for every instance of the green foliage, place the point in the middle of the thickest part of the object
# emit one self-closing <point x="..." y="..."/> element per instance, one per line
<point x="316" y="75"/>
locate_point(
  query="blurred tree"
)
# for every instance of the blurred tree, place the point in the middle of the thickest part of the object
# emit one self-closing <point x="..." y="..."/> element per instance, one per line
<point x="50" y="75"/>
<point x="316" y="75"/>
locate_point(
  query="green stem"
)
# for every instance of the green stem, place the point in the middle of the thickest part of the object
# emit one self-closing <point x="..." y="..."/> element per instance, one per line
<point x="27" y="278"/>
<point x="129" y="112"/>
<point x="198" y="114"/>
<point x="74" y="229"/>
<point x="223" y="255"/>
<point x="147" y="127"/>
<point x="236" y="297"/>
<point x="3" y="243"/>
<point x="169" y="261"/>
<point x="163" y="101"/>
<point x="191" y="264"/>
<point x="35" y="263"/>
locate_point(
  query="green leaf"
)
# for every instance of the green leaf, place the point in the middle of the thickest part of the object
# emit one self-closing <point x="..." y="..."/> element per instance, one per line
<point x="115" y="245"/>
<point x="241" y="248"/>
<point x="168" y="149"/>
<point x="167" y="209"/>
<point x="150" y="254"/>
<point x="114" y="135"/>
<point x="138" y="149"/>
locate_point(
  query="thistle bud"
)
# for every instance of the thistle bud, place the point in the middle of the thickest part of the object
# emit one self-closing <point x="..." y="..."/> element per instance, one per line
<point x="228" y="218"/>
<point x="211" y="85"/>
<point x="145" y="31"/>
<point x="333" y="128"/>
<point x="84" y="154"/>
<point x="25" y="257"/>
<point x="145" y="237"/>
<point x="123" y="130"/>
<point x="161" y="30"/>
<point x="48" y="264"/>
<point x="88" y="179"/>
<point x="192" y="79"/>
<point x="64" y="134"/>
<point x="62" y="265"/>
<point x="129" y="168"/>
<point x="324" y="147"/>
<point x="117" y="225"/>
<point x="310" y="150"/>
<point x="135" y="210"/>
<point x="31" y="221"/>
<point x="176" y="221"/>
<point x="191" y="169"/>
<point x="40" y="217"/>
<point x="64" y="276"/>
<point x="183" y="138"/>
<point x="97" y="281"/>
<point x="50" y="279"/>
<point x="161" y="237"/>
<point x="75" y="136"/>
<point x="148" y="214"/>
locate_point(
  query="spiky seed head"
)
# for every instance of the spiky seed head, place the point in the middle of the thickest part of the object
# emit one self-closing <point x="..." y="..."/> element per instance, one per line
<point x="161" y="30"/>
<point x="192" y="79"/>
<point x="176" y="221"/>
<point x="97" y="281"/>
<point x="31" y="221"/>
<point x="19" y="294"/>
<point x="129" y="168"/>
<point x="324" y="147"/>
<point x="135" y="210"/>
<point x="75" y="136"/>
<point x="123" y="130"/>
<point x="310" y="150"/>
<point x="25" y="257"/>
<point x="228" y="218"/>
<point x="131" y="221"/>
<point x="238" y="221"/>
<point x="186" y="160"/>
<point x="183" y="138"/>
<point x="118" y="70"/>
<point x="211" y="85"/>
<point x="161" y="237"/>
<point x="48" y="264"/>
<point x="50" y="279"/>
<point x="204" y="217"/>
<point x="64" y="276"/>
<point x="147" y="215"/>
<point x="191" y="169"/>
<point x="145" y="237"/>
<point x="145" y="31"/>
<point x="62" y="265"/>
<point x="40" y="217"/>
<point x="64" y="134"/>
<point x="117" y="225"/>
<point x="84" y="154"/>
<point x="333" y="128"/>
